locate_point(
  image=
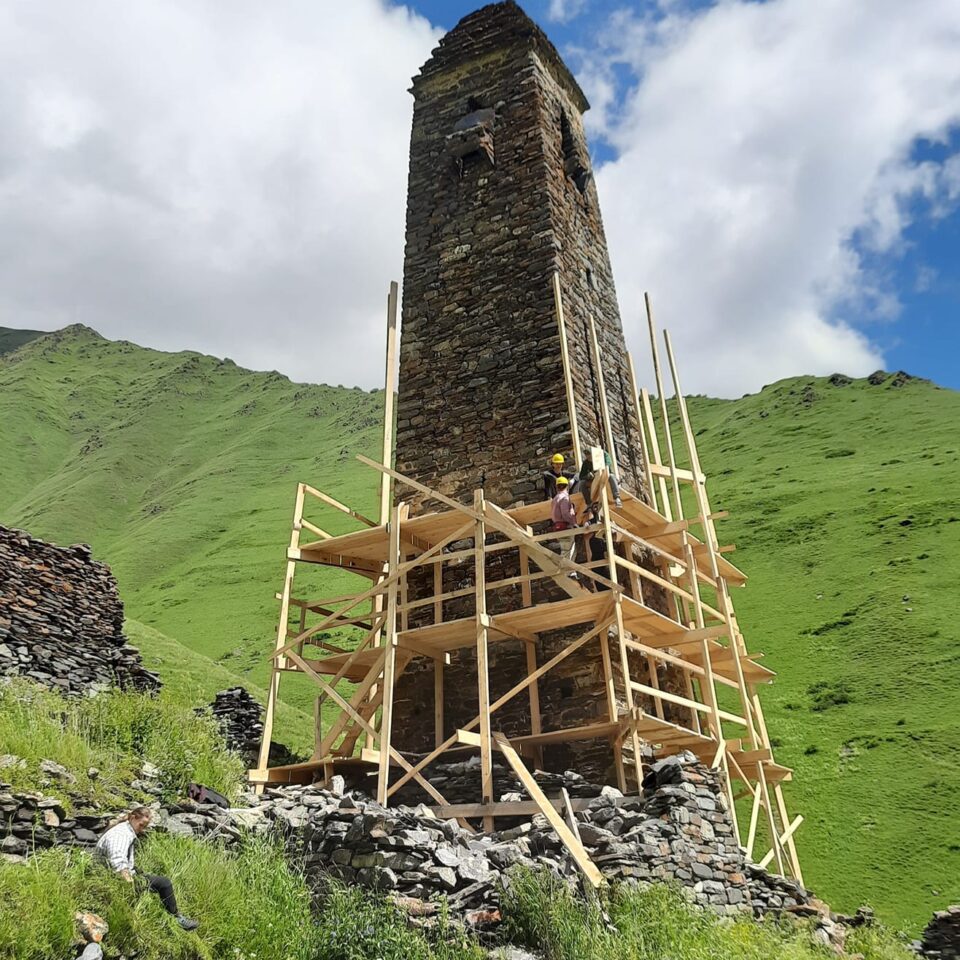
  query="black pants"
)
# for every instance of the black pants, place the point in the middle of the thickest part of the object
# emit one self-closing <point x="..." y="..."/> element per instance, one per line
<point x="163" y="888"/>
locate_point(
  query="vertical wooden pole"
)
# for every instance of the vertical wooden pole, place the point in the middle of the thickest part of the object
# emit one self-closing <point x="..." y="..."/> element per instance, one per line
<point x="618" y="619"/>
<point x="483" y="668"/>
<point x="438" y="591"/>
<point x="777" y="790"/>
<point x="390" y="657"/>
<point x="613" y="710"/>
<point x="604" y="408"/>
<point x="280" y="662"/>
<point x="386" y="454"/>
<point x="567" y="372"/>
<point x="438" y="662"/>
<point x="390" y="388"/>
<point x="703" y="508"/>
<point x="438" y="669"/>
<point x="526" y="598"/>
<point x="707" y="682"/>
<point x="665" y="507"/>
<point x="655" y="350"/>
<point x="771" y="819"/>
<point x="536" y="722"/>
<point x="644" y="446"/>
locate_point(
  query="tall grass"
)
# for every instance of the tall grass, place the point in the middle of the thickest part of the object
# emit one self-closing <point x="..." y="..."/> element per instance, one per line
<point x="114" y="733"/>
<point x="542" y="913"/>
<point x="250" y="903"/>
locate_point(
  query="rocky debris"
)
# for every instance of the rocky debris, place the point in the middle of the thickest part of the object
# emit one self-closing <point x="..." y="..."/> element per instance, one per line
<point x="61" y="619"/>
<point x="941" y="936"/>
<point x="239" y="718"/>
<point x="56" y="772"/>
<point x="678" y="830"/>
<point x="29" y="821"/>
<point x="839" y="380"/>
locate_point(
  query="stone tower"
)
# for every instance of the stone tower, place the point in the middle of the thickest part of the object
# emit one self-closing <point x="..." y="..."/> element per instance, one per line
<point x="500" y="196"/>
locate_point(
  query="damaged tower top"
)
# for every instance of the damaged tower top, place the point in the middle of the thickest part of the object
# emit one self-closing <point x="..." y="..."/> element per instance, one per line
<point x="500" y="198"/>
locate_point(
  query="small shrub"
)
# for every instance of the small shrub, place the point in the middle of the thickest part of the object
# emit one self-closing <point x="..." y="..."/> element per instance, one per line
<point x="826" y="694"/>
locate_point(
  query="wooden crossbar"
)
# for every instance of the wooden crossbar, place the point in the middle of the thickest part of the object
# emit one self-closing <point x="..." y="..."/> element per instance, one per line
<point x="566" y="835"/>
<point x="500" y="701"/>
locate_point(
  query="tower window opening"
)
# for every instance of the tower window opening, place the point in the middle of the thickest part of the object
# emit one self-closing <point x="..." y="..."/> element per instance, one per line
<point x="472" y="136"/>
<point x="575" y="165"/>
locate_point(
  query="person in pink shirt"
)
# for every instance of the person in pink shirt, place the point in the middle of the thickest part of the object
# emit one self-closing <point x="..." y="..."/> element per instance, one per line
<point x="564" y="517"/>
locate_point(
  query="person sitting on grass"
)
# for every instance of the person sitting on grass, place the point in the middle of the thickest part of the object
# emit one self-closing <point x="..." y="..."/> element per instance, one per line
<point x="115" y="848"/>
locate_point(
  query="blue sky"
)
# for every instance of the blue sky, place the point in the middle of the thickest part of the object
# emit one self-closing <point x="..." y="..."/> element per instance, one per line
<point x="921" y="270"/>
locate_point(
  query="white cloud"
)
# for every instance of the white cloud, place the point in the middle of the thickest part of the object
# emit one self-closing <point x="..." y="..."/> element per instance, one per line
<point x="236" y="183"/>
<point x="759" y="140"/>
<point x="563" y="11"/>
<point x="188" y="176"/>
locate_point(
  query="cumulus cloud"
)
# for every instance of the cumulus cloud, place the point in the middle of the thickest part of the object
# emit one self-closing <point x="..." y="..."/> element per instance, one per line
<point x="233" y="181"/>
<point x="562" y="11"/>
<point x="188" y="175"/>
<point x="763" y="153"/>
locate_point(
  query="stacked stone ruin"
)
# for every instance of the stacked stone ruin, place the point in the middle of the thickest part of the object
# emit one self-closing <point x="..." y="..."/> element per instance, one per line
<point x="61" y="619"/>
<point x="941" y="937"/>
<point x="677" y="831"/>
<point x="239" y="717"/>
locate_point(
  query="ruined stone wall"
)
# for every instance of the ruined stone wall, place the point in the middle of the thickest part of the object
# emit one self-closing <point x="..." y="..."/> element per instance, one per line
<point x="61" y="619"/>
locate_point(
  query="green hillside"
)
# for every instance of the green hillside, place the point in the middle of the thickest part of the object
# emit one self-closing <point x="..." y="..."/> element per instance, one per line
<point x="11" y="340"/>
<point x="845" y="508"/>
<point x="181" y="470"/>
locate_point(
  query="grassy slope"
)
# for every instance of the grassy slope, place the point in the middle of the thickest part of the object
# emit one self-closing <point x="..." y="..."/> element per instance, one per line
<point x="845" y="500"/>
<point x="10" y="340"/>
<point x="180" y="470"/>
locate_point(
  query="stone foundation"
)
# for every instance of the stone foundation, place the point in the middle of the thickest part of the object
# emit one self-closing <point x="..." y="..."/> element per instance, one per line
<point x="678" y="831"/>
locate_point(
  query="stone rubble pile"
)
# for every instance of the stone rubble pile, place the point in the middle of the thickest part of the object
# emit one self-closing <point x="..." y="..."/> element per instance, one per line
<point x="61" y="619"/>
<point x="678" y="831"/>
<point x="941" y="936"/>
<point x="30" y="821"/>
<point x="239" y="718"/>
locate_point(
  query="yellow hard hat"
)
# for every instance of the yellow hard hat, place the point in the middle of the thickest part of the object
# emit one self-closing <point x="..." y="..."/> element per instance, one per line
<point x="557" y="458"/>
<point x="562" y="481"/>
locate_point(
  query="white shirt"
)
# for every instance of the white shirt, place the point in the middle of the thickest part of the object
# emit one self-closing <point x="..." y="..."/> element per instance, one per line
<point x="116" y="846"/>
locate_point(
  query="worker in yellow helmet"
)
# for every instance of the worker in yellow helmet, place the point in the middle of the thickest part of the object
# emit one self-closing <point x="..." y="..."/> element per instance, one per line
<point x="551" y="474"/>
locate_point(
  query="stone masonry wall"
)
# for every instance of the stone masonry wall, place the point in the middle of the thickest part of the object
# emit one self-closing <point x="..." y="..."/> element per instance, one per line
<point x="61" y="619"/>
<point x="501" y="196"/>
<point x="678" y="830"/>
<point x="481" y="390"/>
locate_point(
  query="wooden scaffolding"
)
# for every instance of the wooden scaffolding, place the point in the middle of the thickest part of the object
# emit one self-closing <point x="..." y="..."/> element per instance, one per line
<point x="721" y="718"/>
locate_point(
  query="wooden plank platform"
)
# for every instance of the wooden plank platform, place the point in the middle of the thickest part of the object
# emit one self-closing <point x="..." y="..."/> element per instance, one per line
<point x="362" y="550"/>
